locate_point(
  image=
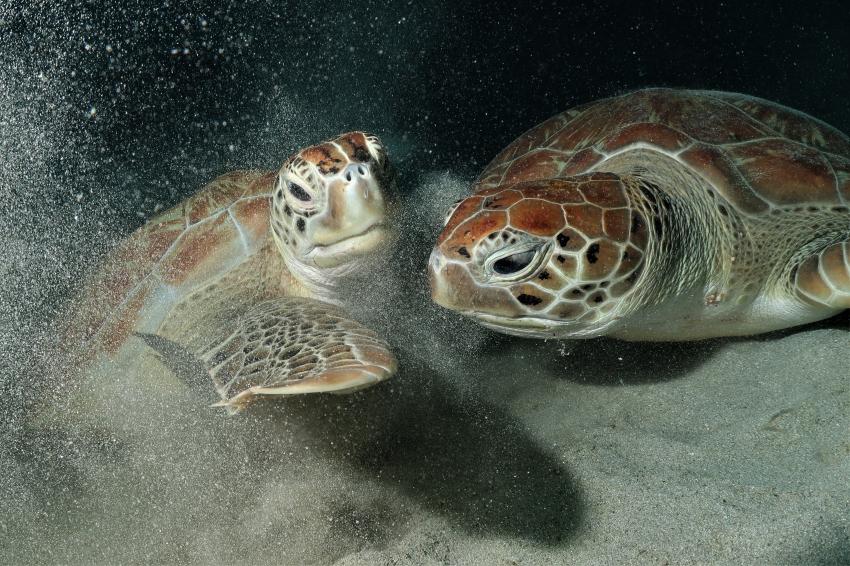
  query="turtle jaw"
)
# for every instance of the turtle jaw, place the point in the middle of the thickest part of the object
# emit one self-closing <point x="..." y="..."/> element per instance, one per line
<point x="351" y="248"/>
<point x="533" y="327"/>
<point x="527" y="327"/>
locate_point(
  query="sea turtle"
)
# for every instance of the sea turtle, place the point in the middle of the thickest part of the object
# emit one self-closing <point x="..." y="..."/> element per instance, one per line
<point x="660" y="214"/>
<point x="243" y="276"/>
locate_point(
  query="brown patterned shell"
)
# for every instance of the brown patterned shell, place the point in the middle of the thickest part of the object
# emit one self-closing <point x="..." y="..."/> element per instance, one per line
<point x="757" y="154"/>
<point x="229" y="216"/>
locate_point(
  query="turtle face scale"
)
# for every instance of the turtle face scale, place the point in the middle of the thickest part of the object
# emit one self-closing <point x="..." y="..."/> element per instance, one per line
<point x="330" y="203"/>
<point x="542" y="258"/>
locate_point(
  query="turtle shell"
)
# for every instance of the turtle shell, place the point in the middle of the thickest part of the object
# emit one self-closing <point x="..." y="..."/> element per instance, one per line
<point x="209" y="232"/>
<point x="757" y="154"/>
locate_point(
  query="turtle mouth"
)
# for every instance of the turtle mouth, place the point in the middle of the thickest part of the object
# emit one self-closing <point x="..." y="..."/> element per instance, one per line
<point x="522" y="326"/>
<point x="329" y="255"/>
<point x="530" y="327"/>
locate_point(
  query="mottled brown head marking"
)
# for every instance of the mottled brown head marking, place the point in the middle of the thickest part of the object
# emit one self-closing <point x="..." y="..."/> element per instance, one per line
<point x="330" y="205"/>
<point x="547" y="254"/>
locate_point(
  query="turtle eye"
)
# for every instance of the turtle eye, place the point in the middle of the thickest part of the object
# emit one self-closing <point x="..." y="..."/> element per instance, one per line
<point x="514" y="263"/>
<point x="298" y="192"/>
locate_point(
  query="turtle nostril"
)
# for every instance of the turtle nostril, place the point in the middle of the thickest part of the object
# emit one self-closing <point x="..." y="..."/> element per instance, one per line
<point x="356" y="171"/>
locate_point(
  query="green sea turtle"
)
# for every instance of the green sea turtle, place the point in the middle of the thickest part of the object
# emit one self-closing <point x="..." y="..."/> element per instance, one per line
<point x="656" y="215"/>
<point x="243" y="275"/>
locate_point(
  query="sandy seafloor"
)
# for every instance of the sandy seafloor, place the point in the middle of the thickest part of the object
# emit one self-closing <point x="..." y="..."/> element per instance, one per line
<point x="482" y="450"/>
<point x="604" y="452"/>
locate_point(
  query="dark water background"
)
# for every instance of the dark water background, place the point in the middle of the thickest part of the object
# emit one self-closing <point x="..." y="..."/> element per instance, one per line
<point x="111" y="111"/>
<point x="181" y="91"/>
<point x="158" y="97"/>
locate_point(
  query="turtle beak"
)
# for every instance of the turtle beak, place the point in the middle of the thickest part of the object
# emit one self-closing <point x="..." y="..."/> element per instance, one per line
<point x="355" y="218"/>
<point x="451" y="285"/>
<point x="355" y="203"/>
<point x="440" y="290"/>
<point x="454" y="287"/>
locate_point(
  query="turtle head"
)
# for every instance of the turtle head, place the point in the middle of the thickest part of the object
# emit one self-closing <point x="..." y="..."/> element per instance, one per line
<point x="330" y="206"/>
<point x="551" y="258"/>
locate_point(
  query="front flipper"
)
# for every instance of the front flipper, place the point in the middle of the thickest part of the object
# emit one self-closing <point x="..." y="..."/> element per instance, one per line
<point x="824" y="278"/>
<point x="289" y="346"/>
<point x="183" y="364"/>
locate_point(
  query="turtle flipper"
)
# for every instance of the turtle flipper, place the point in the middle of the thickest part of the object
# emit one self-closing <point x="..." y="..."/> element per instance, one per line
<point x="290" y="346"/>
<point x="182" y="363"/>
<point x="824" y="278"/>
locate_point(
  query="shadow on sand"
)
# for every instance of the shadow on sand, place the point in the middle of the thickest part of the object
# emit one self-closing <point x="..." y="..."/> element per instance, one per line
<point x="610" y="362"/>
<point x="417" y="443"/>
<point x="460" y="458"/>
<point x="453" y="453"/>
